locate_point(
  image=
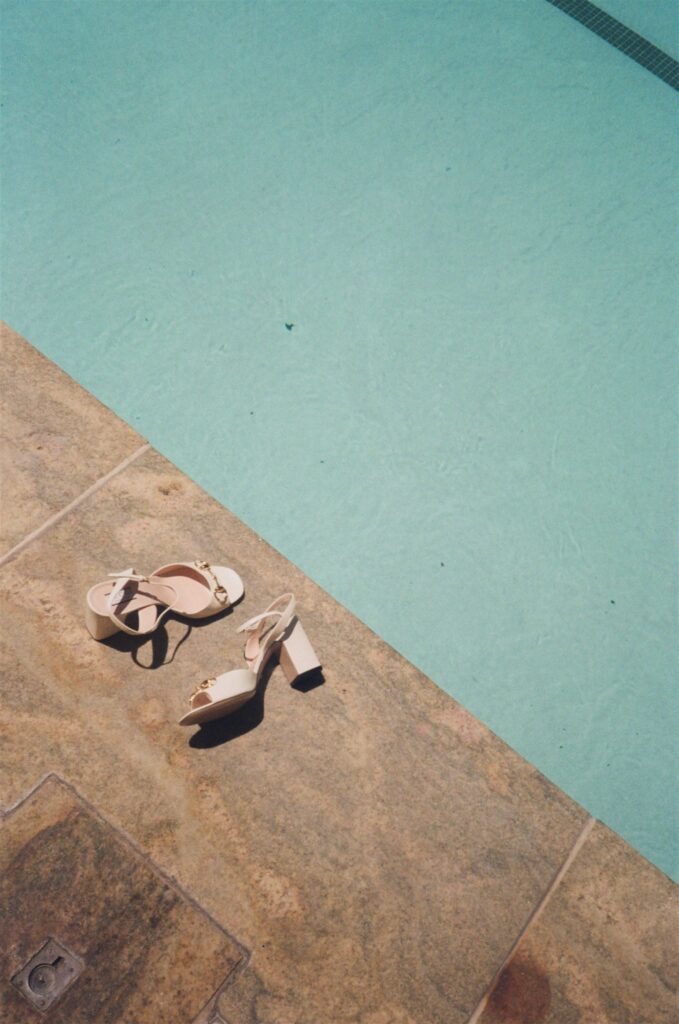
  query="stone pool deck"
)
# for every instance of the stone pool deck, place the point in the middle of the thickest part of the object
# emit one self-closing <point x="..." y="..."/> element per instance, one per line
<point x="356" y="851"/>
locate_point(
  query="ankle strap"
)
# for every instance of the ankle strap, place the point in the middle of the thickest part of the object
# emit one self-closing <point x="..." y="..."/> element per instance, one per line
<point x="251" y="626"/>
<point x="264" y="631"/>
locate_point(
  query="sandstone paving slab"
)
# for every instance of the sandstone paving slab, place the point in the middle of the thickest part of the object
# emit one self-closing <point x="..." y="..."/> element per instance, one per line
<point x="375" y="846"/>
<point x="604" y="950"/>
<point x="56" y="439"/>
<point x="143" y="951"/>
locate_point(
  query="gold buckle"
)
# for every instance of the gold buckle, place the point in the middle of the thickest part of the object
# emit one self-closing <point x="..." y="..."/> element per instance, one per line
<point x="205" y="685"/>
<point x="218" y="590"/>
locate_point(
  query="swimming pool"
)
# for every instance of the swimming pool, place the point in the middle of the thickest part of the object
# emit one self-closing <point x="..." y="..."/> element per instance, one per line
<point x="466" y="213"/>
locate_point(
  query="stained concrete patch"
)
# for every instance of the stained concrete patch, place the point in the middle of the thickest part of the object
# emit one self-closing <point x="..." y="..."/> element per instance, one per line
<point x="604" y="949"/>
<point x="149" y="954"/>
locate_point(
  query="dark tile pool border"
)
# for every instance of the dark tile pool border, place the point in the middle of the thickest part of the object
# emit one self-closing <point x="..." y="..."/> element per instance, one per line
<point x="622" y="38"/>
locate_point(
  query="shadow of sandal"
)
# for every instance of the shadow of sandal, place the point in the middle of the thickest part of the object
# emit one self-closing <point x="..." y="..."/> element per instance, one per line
<point x="128" y="644"/>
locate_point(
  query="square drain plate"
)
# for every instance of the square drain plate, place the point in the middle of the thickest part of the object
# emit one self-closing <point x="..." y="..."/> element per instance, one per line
<point x="48" y="974"/>
<point x="89" y="927"/>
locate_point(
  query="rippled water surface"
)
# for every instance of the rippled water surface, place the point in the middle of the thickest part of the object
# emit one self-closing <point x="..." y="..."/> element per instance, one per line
<point x="467" y="211"/>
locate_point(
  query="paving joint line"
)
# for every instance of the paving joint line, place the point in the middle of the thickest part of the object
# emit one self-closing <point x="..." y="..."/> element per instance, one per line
<point x="535" y="915"/>
<point x="58" y="516"/>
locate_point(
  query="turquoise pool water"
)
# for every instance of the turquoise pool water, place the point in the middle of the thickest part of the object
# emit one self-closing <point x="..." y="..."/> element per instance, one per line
<point x="469" y="436"/>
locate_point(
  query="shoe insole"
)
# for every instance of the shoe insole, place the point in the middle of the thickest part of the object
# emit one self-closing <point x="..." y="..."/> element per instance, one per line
<point x="191" y="594"/>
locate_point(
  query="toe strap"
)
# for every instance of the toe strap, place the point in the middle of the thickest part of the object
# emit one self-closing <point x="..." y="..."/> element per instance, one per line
<point x="225" y="687"/>
<point x="201" y="692"/>
<point x="218" y="590"/>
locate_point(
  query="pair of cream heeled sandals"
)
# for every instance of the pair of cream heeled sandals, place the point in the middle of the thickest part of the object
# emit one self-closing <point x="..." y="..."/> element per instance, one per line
<point x="198" y="590"/>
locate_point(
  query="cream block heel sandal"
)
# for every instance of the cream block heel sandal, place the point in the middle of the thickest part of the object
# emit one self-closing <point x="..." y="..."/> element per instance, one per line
<point x="276" y="630"/>
<point x="195" y="590"/>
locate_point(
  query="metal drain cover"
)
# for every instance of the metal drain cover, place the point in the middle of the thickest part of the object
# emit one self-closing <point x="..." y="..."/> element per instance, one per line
<point x="48" y="974"/>
<point x="145" y="953"/>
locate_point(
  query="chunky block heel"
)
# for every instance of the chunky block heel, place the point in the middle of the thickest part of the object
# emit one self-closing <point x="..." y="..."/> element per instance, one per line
<point x="100" y="627"/>
<point x="276" y="631"/>
<point x="297" y="656"/>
